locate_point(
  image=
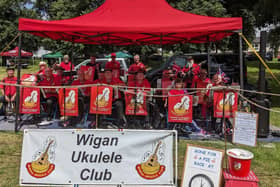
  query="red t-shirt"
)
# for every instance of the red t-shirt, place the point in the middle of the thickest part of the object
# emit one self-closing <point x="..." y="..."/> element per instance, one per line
<point x="49" y="92"/>
<point x="145" y="84"/>
<point x="176" y="92"/>
<point x="9" y="90"/>
<point x="135" y="67"/>
<point x="115" y="67"/>
<point x="85" y="90"/>
<point x="60" y="80"/>
<point x="67" y="67"/>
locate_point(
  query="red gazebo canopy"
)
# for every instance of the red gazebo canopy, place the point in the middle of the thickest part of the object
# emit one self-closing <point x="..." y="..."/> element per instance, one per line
<point x="141" y="22"/>
<point x="14" y="53"/>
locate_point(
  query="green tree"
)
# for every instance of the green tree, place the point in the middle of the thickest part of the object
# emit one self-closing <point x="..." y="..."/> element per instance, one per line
<point x="274" y="40"/>
<point x="267" y="12"/>
<point x="10" y="11"/>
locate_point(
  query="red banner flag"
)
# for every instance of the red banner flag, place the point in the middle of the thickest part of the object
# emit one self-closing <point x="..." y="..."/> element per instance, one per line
<point x="101" y="100"/>
<point x="30" y="101"/>
<point x="69" y="102"/>
<point x="230" y="106"/>
<point x="180" y="109"/>
<point x="140" y="104"/>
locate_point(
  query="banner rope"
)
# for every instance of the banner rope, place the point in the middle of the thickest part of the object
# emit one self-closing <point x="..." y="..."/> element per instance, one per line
<point x="252" y="91"/>
<point x="260" y="58"/>
<point x="113" y="86"/>
<point x="125" y="88"/>
<point x="7" y="46"/>
<point x="257" y="105"/>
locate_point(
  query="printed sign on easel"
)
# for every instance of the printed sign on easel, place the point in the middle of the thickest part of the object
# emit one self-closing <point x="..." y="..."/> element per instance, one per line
<point x="203" y="167"/>
<point x="245" y="128"/>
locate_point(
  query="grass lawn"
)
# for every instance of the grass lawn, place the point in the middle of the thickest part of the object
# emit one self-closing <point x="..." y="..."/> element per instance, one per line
<point x="273" y="86"/>
<point x="266" y="163"/>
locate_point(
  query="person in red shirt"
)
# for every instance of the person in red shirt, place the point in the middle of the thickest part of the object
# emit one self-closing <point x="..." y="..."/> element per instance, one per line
<point x="135" y="67"/>
<point x="100" y="76"/>
<point x="114" y="66"/>
<point x="49" y="94"/>
<point x="58" y="77"/>
<point x="85" y="91"/>
<point x="41" y="72"/>
<point x="66" y="64"/>
<point x="202" y="81"/>
<point x="178" y="89"/>
<point x="8" y="92"/>
<point x="83" y="97"/>
<point x="118" y="105"/>
<point x="142" y="84"/>
<point x="108" y="79"/>
<point x="140" y="81"/>
<point x="191" y="70"/>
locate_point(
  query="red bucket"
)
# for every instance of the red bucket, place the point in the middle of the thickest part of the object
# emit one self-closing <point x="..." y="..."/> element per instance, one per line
<point x="239" y="162"/>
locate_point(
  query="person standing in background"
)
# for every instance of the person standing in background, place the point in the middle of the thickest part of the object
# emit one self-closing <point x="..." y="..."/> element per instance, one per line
<point x="8" y="92"/>
<point x="66" y="64"/>
<point x="114" y="66"/>
<point x="133" y="69"/>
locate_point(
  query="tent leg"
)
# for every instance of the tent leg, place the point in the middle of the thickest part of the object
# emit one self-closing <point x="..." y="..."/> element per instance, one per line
<point x="72" y="60"/>
<point x="18" y="88"/>
<point x="208" y="57"/>
<point x="241" y="63"/>
<point x="161" y="48"/>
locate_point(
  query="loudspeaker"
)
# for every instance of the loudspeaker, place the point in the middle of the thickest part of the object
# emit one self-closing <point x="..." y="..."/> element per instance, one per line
<point x="263" y="121"/>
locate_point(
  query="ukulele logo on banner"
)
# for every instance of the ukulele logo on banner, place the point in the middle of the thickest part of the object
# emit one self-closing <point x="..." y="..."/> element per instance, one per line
<point x="42" y="164"/>
<point x="135" y="104"/>
<point x="150" y="168"/>
<point x="30" y="101"/>
<point x="69" y="104"/>
<point x="180" y="109"/>
<point x="101" y="100"/>
<point x="230" y="105"/>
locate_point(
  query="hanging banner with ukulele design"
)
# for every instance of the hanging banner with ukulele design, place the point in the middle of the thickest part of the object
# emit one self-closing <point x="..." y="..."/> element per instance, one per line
<point x="135" y="104"/>
<point x="230" y="105"/>
<point x="68" y="104"/>
<point x="30" y="101"/>
<point x="180" y="109"/>
<point x="96" y="157"/>
<point x="101" y="100"/>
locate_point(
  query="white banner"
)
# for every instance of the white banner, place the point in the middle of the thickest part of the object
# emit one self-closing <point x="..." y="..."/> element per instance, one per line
<point x="68" y="156"/>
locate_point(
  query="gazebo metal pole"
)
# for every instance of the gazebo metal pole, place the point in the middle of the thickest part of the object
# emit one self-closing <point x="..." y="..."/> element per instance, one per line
<point x="241" y="63"/>
<point x="18" y="82"/>
<point x="208" y="56"/>
<point x="72" y="59"/>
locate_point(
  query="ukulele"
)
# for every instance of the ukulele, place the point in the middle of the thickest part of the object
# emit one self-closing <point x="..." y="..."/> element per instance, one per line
<point x="101" y="97"/>
<point x="44" y="158"/>
<point x="153" y="159"/>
